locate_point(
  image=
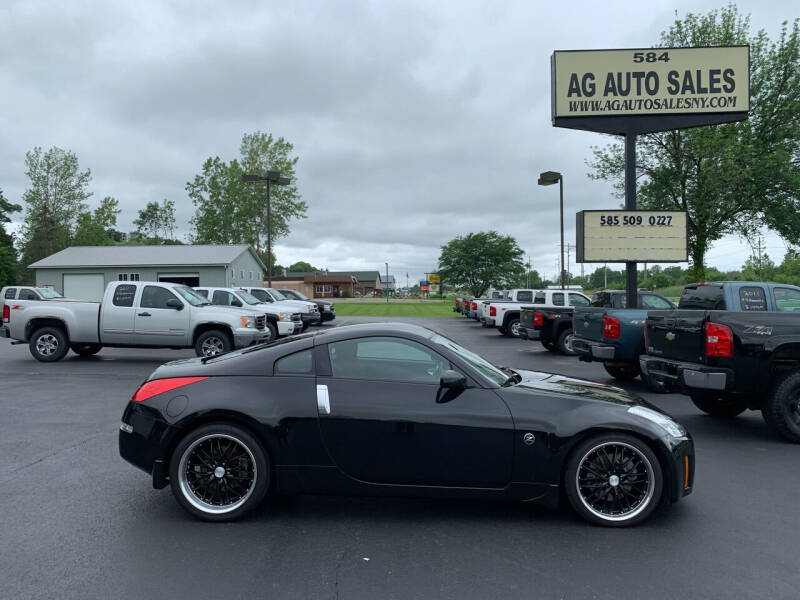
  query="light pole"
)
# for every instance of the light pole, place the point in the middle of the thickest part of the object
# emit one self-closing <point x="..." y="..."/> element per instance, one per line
<point x="549" y="178"/>
<point x="386" y="285"/>
<point x="270" y="177"/>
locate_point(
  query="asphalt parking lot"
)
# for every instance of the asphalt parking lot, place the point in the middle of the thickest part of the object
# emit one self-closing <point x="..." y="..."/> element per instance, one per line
<point x="78" y="522"/>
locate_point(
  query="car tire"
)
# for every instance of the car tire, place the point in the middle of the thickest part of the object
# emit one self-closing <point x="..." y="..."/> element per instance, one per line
<point x="512" y="328"/>
<point x="212" y="343"/>
<point x="86" y="349"/>
<point x="305" y="325"/>
<point x="630" y="476"/>
<point x="502" y="330"/>
<point x="238" y="482"/>
<point x="48" y="344"/>
<point x="564" y="343"/>
<point x="551" y="346"/>
<point x="273" y="332"/>
<point x="654" y="385"/>
<point x="781" y="409"/>
<point x="719" y="405"/>
<point x="622" y="372"/>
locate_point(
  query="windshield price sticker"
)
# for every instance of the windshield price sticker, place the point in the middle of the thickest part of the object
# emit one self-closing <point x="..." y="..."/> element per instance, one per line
<point x="651" y="81"/>
<point x="631" y="235"/>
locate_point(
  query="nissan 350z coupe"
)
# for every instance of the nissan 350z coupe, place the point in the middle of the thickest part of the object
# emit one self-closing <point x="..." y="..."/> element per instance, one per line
<point x="395" y="409"/>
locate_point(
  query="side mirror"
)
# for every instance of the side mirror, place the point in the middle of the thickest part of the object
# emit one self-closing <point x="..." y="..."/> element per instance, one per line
<point x="175" y="303"/>
<point x="453" y="380"/>
<point x="236" y="302"/>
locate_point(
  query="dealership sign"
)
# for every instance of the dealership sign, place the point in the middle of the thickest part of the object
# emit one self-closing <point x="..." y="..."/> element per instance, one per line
<point x="683" y="87"/>
<point x="631" y="235"/>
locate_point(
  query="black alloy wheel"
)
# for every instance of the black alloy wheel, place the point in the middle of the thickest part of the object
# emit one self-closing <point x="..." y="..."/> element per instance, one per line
<point x="48" y="344"/>
<point x="86" y="349"/>
<point x="212" y="343"/>
<point x="564" y="343"/>
<point x="623" y="372"/>
<point x="781" y="410"/>
<point x="219" y="472"/>
<point x="613" y="480"/>
<point x="718" y="404"/>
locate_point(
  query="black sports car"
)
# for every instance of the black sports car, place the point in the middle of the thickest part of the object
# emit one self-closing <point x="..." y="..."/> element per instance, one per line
<point x="395" y="409"/>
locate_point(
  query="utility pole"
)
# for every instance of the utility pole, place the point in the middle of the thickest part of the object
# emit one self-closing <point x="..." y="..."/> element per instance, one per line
<point x="269" y="178"/>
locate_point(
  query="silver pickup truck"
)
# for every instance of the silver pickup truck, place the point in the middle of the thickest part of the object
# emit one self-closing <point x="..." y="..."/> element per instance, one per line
<point x="131" y="315"/>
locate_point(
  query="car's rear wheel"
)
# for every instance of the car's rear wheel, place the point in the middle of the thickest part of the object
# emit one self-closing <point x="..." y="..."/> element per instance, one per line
<point x="219" y="472"/>
<point x="719" y="405"/>
<point x="565" y="343"/>
<point x="86" y="349"/>
<point x="624" y="372"/>
<point x="213" y="343"/>
<point x="552" y="346"/>
<point x="781" y="410"/>
<point x="614" y="480"/>
<point x="48" y="344"/>
<point x="512" y="328"/>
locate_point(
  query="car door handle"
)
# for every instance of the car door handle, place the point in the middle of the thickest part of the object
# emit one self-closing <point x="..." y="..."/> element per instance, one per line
<point x="323" y="402"/>
<point x="144" y="314"/>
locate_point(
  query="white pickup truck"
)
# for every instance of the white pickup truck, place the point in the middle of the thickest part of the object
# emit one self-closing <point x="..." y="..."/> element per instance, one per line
<point x="309" y="311"/>
<point x="505" y="314"/>
<point x="282" y="319"/>
<point x="131" y="315"/>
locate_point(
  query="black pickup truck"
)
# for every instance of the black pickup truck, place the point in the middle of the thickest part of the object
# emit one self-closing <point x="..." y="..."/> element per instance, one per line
<point x="729" y="362"/>
<point x="551" y="326"/>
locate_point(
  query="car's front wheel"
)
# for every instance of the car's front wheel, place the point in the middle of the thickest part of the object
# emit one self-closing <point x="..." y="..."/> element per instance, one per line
<point x="718" y="405"/>
<point x="272" y="332"/>
<point x="219" y="472"/>
<point x="614" y="480"/>
<point x="551" y="346"/>
<point x="212" y="343"/>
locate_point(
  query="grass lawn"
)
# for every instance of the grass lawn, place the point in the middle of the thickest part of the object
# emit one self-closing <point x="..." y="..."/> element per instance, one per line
<point x="425" y="308"/>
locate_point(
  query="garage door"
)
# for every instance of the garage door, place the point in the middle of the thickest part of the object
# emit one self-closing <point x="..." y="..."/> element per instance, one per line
<point x="86" y="286"/>
<point x="190" y="279"/>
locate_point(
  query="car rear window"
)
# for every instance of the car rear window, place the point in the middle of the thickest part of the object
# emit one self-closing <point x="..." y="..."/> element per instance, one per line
<point x="540" y="298"/>
<point x="601" y="299"/>
<point x="702" y="297"/>
<point x="11" y="293"/>
<point x="525" y="296"/>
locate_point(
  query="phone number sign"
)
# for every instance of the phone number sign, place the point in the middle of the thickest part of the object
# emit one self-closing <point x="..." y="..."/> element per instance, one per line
<point x="631" y="235"/>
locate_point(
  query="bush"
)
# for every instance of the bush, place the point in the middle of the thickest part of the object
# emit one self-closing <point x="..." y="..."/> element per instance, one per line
<point x="345" y="293"/>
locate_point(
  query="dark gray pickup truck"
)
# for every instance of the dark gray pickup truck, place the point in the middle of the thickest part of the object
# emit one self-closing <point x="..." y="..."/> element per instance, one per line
<point x="731" y="361"/>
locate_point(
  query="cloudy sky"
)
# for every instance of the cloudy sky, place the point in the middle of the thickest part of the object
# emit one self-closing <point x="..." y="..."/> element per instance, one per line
<point x="414" y="121"/>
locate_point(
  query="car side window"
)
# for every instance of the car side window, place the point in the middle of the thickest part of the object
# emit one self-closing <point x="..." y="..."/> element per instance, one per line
<point x="261" y="295"/>
<point x="25" y="294"/>
<point x="578" y="300"/>
<point x="386" y="358"/>
<point x="221" y="298"/>
<point x="203" y="293"/>
<point x="156" y="297"/>
<point x="654" y="302"/>
<point x="540" y="298"/>
<point x="752" y="298"/>
<point x="11" y="293"/>
<point x="525" y="296"/>
<point x="787" y="299"/>
<point x="299" y="363"/>
<point x="123" y="295"/>
<point x="558" y="298"/>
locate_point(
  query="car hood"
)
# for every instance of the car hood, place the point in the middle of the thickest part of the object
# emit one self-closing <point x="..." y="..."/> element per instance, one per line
<point x="226" y="311"/>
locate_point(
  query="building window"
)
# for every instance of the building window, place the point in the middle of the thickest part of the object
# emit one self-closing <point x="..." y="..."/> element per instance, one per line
<point x="233" y="273"/>
<point x="128" y="277"/>
<point x="251" y="276"/>
<point x="241" y="275"/>
<point x="322" y="288"/>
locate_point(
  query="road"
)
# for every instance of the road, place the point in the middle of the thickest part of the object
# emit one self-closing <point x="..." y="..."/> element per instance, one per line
<point x="78" y="522"/>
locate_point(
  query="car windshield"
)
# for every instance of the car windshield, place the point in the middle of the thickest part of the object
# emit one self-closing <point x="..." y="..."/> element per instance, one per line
<point x="48" y="294"/>
<point x="296" y="294"/>
<point x="276" y="294"/>
<point x="191" y="296"/>
<point x="487" y="369"/>
<point x="248" y="297"/>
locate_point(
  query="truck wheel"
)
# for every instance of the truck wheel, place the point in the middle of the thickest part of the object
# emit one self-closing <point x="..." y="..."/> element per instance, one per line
<point x="212" y="343"/>
<point x="781" y="410"/>
<point x="49" y="344"/>
<point x="719" y="405"/>
<point x="565" y="343"/>
<point x="512" y="328"/>
<point x="624" y="372"/>
<point x="85" y="349"/>
<point x="550" y="345"/>
<point x="272" y="330"/>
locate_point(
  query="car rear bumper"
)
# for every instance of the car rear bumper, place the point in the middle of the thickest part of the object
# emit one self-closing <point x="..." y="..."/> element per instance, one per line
<point x="589" y="350"/>
<point x="686" y="376"/>
<point x="529" y="333"/>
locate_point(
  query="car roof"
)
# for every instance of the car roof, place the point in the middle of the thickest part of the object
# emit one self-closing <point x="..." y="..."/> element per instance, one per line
<point x="344" y="332"/>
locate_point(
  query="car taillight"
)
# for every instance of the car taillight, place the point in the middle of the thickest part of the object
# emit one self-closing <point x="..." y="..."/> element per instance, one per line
<point x="492" y="311"/>
<point x="159" y="386"/>
<point x="611" y="327"/>
<point x="6" y="313"/>
<point x="719" y="340"/>
<point x="538" y="319"/>
<point x="474" y="306"/>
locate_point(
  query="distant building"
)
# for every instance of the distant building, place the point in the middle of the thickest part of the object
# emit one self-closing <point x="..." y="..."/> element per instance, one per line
<point x="82" y="272"/>
<point x="317" y="285"/>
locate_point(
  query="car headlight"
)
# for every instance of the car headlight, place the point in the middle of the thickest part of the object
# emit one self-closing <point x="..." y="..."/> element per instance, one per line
<point x="248" y="321"/>
<point x="671" y="427"/>
<point x="309" y="309"/>
<point x="285" y="316"/>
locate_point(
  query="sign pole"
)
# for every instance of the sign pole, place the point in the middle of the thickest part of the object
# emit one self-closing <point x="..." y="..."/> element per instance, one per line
<point x="631" y="283"/>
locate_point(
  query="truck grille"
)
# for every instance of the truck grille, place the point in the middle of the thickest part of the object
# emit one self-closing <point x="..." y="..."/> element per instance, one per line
<point x="261" y="321"/>
<point x="296" y="317"/>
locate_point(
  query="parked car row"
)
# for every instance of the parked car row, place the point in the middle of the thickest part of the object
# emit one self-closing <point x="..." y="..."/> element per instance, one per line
<point x="148" y="314"/>
<point x="730" y="346"/>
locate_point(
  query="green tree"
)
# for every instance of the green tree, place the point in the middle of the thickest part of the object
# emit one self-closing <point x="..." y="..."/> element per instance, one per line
<point x="230" y="211"/>
<point x="54" y="200"/>
<point x="301" y="267"/>
<point x="734" y="177"/>
<point x="8" y="253"/>
<point x="96" y="228"/>
<point x="479" y="261"/>
<point x="156" y="222"/>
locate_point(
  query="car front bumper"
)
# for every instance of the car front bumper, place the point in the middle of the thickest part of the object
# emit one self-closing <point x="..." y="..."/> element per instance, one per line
<point x="588" y="350"/>
<point x="242" y="338"/>
<point x="328" y="315"/>
<point x="311" y="318"/>
<point x="287" y="327"/>
<point x="687" y="376"/>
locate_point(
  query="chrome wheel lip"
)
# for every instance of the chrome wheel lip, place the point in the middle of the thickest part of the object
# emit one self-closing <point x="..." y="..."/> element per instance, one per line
<point x="200" y="504"/>
<point x="643" y="504"/>
<point x="212" y="346"/>
<point x="47" y="344"/>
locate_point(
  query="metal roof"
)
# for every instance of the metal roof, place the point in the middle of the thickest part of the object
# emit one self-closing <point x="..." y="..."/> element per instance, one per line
<point x="144" y="256"/>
